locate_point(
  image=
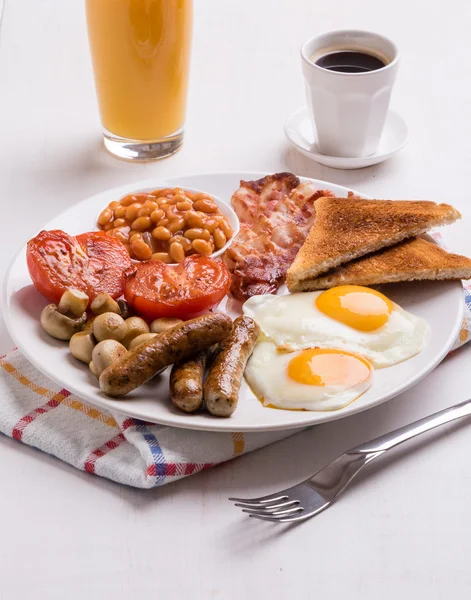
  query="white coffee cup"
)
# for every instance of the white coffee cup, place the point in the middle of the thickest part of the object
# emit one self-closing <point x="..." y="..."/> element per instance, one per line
<point x="348" y="110"/>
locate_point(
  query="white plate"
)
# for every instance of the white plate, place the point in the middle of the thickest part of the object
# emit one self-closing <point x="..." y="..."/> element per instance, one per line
<point x="440" y="303"/>
<point x="299" y="131"/>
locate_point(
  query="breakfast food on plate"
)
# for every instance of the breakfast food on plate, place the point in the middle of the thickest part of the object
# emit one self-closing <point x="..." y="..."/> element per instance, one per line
<point x="67" y="318"/>
<point x="106" y="337"/>
<point x="146" y="360"/>
<point x="104" y="354"/>
<point x="347" y="228"/>
<point x="186" y="382"/>
<point x="276" y="213"/>
<point x="91" y="262"/>
<point x="314" y="379"/>
<point x="141" y="339"/>
<point x="124" y="309"/>
<point x="164" y="323"/>
<point x="182" y="291"/>
<point x="109" y="326"/>
<point x="104" y="303"/>
<point x="303" y="351"/>
<point x="221" y="388"/>
<point x="413" y="259"/>
<point x="352" y="318"/>
<point x="259" y="197"/>
<point x="73" y="302"/>
<point x="135" y="327"/>
<point x="167" y="224"/>
<point x="81" y="346"/>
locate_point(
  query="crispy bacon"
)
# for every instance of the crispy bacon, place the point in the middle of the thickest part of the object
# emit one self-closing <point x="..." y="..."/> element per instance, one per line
<point x="276" y="213"/>
<point x="258" y="197"/>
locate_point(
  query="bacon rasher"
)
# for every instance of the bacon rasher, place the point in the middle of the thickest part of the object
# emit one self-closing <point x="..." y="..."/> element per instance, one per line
<point x="276" y="213"/>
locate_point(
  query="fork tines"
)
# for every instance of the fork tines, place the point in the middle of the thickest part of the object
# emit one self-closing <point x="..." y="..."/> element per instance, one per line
<point x="276" y="507"/>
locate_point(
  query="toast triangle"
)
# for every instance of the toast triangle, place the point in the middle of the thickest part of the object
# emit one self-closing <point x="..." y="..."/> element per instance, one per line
<point x="347" y="228"/>
<point x="412" y="260"/>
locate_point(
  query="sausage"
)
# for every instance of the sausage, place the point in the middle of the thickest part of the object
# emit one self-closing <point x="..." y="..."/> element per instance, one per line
<point x="176" y="344"/>
<point x="186" y="382"/>
<point x="221" y="388"/>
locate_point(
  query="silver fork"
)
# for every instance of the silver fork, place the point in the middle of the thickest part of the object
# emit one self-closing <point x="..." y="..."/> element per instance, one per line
<point x="316" y="493"/>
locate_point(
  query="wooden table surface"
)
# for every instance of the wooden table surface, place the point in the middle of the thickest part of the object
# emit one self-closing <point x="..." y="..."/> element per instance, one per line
<point x="403" y="527"/>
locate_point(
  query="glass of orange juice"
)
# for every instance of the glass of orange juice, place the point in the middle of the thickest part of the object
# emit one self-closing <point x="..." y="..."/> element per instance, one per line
<point x="141" y="56"/>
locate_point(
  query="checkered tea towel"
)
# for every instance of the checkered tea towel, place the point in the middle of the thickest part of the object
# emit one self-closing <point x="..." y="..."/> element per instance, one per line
<point x="36" y="411"/>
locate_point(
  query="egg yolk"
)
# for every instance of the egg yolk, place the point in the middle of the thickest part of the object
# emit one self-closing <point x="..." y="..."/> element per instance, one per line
<point x="356" y="306"/>
<point x="325" y="367"/>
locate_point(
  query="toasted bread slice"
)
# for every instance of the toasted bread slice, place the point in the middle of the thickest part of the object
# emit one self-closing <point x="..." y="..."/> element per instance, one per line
<point x="347" y="228"/>
<point x="414" y="259"/>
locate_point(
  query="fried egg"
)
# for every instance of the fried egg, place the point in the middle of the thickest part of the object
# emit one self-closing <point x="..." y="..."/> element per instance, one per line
<point x="315" y="379"/>
<point x="352" y="318"/>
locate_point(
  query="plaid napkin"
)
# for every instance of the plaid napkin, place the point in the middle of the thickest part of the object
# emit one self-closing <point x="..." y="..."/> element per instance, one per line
<point x="36" y="411"/>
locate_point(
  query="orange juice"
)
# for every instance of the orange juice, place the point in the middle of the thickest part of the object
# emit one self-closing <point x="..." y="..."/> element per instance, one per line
<point x="141" y="54"/>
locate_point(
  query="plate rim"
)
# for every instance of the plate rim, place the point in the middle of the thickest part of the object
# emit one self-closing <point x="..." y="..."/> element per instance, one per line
<point x="215" y="424"/>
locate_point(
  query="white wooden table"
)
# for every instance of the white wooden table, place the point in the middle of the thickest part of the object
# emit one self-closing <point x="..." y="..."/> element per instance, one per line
<point x="403" y="530"/>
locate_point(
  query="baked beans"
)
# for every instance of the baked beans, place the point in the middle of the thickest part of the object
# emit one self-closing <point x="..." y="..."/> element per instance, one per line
<point x="202" y="247"/>
<point x="167" y="224"/>
<point x="140" y="249"/>
<point x="161" y="233"/>
<point x="105" y="217"/>
<point x="176" y="252"/>
<point x="163" y="256"/>
<point x="219" y="238"/>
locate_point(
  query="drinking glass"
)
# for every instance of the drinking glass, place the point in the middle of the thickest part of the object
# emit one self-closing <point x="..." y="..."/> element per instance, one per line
<point x="141" y="57"/>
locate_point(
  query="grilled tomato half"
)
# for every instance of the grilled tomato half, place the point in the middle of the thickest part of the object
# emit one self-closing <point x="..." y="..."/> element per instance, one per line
<point x="186" y="290"/>
<point x="91" y="262"/>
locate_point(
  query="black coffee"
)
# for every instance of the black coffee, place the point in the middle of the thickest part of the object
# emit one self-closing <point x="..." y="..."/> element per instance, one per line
<point x="350" y="61"/>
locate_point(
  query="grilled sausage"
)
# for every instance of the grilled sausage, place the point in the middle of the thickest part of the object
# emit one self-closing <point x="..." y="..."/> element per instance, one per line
<point x="174" y="345"/>
<point x="186" y="382"/>
<point x="221" y="388"/>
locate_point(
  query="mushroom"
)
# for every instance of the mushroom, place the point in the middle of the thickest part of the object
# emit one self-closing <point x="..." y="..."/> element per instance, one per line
<point x="136" y="326"/>
<point x="93" y="369"/>
<point x="62" y="321"/>
<point x="141" y="339"/>
<point x="88" y="327"/>
<point x="81" y="346"/>
<point x="60" y="326"/>
<point x="104" y="303"/>
<point x="109" y="326"/>
<point x="125" y="309"/>
<point x="73" y="303"/>
<point x="164" y="323"/>
<point x="104" y="354"/>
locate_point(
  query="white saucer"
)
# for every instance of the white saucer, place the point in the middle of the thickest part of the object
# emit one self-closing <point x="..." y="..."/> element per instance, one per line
<point x="298" y="130"/>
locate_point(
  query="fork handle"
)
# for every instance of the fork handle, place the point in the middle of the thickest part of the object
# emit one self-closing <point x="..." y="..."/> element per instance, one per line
<point x="396" y="437"/>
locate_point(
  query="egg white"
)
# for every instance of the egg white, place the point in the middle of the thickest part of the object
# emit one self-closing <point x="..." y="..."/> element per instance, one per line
<point x="294" y="322"/>
<point x="266" y="373"/>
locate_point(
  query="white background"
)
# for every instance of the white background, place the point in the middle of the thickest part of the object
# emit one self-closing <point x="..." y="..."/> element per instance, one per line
<point x="403" y="529"/>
